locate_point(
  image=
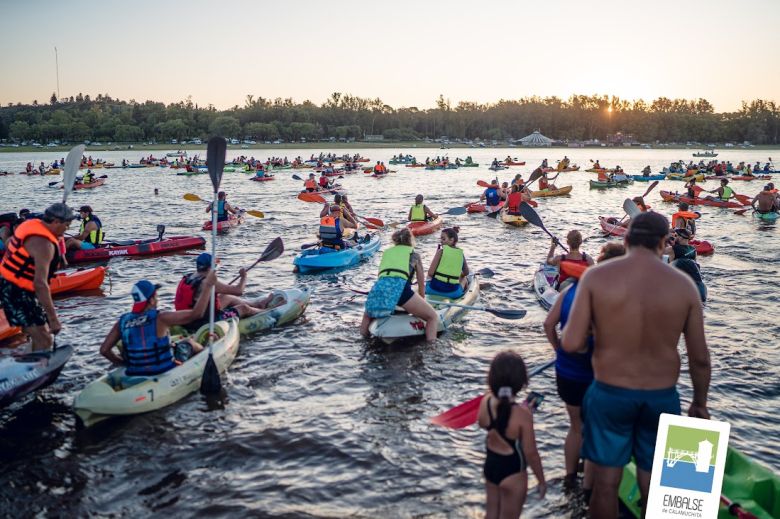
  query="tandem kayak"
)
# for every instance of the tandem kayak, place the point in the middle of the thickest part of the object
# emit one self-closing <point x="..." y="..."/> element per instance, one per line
<point x="544" y="285"/>
<point x="565" y="190"/>
<point x="225" y="225"/>
<point x="324" y="258"/>
<point x="401" y="324"/>
<point x="152" y="247"/>
<point x="116" y="394"/>
<point x="611" y="226"/>
<point x="513" y="220"/>
<point x="648" y="178"/>
<point x="20" y="375"/>
<point x="750" y="177"/>
<point x="668" y="196"/>
<point x="745" y="481"/>
<point x="768" y="217"/>
<point x="423" y="228"/>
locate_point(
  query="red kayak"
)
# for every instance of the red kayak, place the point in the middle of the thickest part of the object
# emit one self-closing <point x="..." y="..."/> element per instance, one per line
<point x="479" y="207"/>
<point x="611" y="226"/>
<point x="262" y="179"/>
<point x="423" y="228"/>
<point x="87" y="279"/>
<point x="152" y="247"/>
<point x="740" y="177"/>
<point x="512" y="163"/>
<point x="97" y="183"/>
<point x="225" y="225"/>
<point x="671" y="197"/>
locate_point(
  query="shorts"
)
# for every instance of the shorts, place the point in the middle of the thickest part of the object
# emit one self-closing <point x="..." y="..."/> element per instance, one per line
<point x="387" y="293"/>
<point x="619" y="423"/>
<point x="571" y="391"/>
<point x="220" y="315"/>
<point x="21" y="307"/>
<point x="439" y="288"/>
<point x="182" y="351"/>
<point x="85" y="245"/>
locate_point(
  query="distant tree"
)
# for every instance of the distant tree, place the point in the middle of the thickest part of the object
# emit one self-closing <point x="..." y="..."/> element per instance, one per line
<point x="53" y="99"/>
<point x="225" y="126"/>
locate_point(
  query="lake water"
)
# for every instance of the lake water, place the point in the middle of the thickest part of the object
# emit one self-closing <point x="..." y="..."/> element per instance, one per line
<point x="321" y="423"/>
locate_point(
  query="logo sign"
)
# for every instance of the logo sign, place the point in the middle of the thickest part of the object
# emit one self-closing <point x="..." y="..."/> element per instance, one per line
<point x="690" y="456"/>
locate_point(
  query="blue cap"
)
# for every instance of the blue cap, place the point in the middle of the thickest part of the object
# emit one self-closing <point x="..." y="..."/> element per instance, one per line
<point x="203" y="262"/>
<point x="142" y="292"/>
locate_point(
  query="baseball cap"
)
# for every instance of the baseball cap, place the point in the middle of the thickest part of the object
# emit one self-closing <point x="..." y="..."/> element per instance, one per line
<point x="142" y="292"/>
<point x="203" y="262"/>
<point x="59" y="211"/>
<point x="649" y="224"/>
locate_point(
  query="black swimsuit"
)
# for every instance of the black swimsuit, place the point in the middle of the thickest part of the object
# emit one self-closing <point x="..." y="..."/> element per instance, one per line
<point x="500" y="466"/>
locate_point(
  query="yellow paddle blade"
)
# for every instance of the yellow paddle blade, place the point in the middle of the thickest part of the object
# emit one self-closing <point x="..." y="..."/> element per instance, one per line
<point x="256" y="214"/>
<point x="193" y="198"/>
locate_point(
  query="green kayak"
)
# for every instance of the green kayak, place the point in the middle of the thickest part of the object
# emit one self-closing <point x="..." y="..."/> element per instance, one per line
<point x="595" y="184"/>
<point x="472" y="165"/>
<point x="753" y="486"/>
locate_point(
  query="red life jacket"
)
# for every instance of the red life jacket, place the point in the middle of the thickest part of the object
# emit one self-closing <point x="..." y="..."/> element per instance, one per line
<point x="563" y="274"/>
<point x="187" y="291"/>
<point x="513" y="202"/>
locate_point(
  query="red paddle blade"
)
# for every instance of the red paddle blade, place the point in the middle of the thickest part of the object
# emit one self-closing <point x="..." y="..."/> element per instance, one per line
<point x="460" y="416"/>
<point x="311" y="197"/>
<point x="375" y="221"/>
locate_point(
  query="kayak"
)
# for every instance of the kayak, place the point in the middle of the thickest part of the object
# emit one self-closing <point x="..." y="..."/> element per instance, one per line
<point x="611" y="226"/>
<point x="423" y="228"/>
<point x="544" y="283"/>
<point x="471" y="165"/>
<point x="673" y="197"/>
<point x="191" y="173"/>
<point x="319" y="259"/>
<point x="87" y="279"/>
<point x="97" y="183"/>
<point x="512" y="219"/>
<point x="415" y="165"/>
<point x="745" y="481"/>
<point x="497" y="168"/>
<point x="513" y="163"/>
<point x="6" y="330"/>
<point x="294" y="302"/>
<point x="479" y="207"/>
<point x="152" y="247"/>
<point x="226" y="225"/>
<point x="562" y="191"/>
<point x="751" y="177"/>
<point x="595" y="184"/>
<point x="262" y="179"/>
<point x="649" y="178"/>
<point x="20" y="375"/>
<point x="599" y="170"/>
<point x="685" y="177"/>
<point x="564" y="170"/>
<point x="115" y="394"/>
<point x="401" y="324"/>
<point x="769" y="217"/>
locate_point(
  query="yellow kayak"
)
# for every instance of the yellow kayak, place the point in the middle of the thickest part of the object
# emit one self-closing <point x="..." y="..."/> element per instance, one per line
<point x="682" y="176"/>
<point x="565" y="190"/>
<point x="513" y="220"/>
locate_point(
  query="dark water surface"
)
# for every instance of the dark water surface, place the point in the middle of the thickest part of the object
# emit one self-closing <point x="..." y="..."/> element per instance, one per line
<point x="321" y="423"/>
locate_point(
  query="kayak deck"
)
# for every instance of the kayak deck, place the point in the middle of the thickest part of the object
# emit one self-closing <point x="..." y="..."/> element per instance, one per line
<point x="324" y="258"/>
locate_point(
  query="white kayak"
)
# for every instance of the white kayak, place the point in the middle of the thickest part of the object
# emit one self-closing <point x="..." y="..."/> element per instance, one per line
<point x="24" y="373"/>
<point x="402" y="324"/>
<point x="291" y="304"/>
<point x="544" y="280"/>
<point x="115" y="394"/>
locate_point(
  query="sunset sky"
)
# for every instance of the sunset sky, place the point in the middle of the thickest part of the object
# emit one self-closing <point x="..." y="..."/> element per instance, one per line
<point x="404" y="52"/>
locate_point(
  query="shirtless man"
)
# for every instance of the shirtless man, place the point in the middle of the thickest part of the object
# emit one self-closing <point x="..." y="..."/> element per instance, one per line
<point x="635" y="360"/>
<point x="765" y="201"/>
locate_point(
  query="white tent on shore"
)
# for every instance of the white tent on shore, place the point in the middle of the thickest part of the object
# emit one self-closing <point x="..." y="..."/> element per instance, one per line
<point x="536" y="139"/>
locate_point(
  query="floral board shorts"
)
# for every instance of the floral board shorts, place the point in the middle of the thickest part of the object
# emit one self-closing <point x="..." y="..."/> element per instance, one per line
<point x="20" y="306"/>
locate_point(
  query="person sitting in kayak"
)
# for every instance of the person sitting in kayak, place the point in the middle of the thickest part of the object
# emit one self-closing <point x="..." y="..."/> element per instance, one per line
<point x="574" y="240"/>
<point x="574" y="373"/>
<point x="564" y="163"/>
<point x="495" y="163"/>
<point x="725" y="193"/>
<point x="32" y="255"/>
<point x="646" y="172"/>
<point x="765" y="202"/>
<point x="90" y="234"/>
<point x="640" y="203"/>
<point x="260" y="171"/>
<point x="492" y="197"/>
<point x="510" y="442"/>
<point x="691" y="188"/>
<point x="324" y="182"/>
<point x="469" y="160"/>
<point x="399" y="265"/>
<point x="544" y="164"/>
<point x="310" y="185"/>
<point x="88" y="177"/>
<point x="514" y="200"/>
<point x="224" y="209"/>
<point x="448" y="270"/>
<point x="419" y="212"/>
<point x="144" y="332"/>
<point x="518" y="180"/>
<point x="544" y="182"/>
<point x="684" y="218"/>
<point x="346" y="217"/>
<point x="229" y="303"/>
<point x="379" y="169"/>
<point x="596" y="165"/>
<point x="332" y="225"/>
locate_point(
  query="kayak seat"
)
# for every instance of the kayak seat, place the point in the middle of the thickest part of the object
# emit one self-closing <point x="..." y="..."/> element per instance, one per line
<point x="123" y="382"/>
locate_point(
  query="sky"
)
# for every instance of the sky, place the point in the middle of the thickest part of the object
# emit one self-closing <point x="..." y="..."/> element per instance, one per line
<point x="404" y="52"/>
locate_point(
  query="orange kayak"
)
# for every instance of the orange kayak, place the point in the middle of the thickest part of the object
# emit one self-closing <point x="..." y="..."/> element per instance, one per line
<point x="87" y="279"/>
<point x="6" y="330"/>
<point x="423" y="228"/>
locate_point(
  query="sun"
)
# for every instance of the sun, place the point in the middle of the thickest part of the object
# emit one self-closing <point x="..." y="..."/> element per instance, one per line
<point x="609" y="109"/>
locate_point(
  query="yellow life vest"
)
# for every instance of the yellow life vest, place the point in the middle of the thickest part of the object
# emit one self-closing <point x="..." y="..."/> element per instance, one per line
<point x="450" y="265"/>
<point x="396" y="262"/>
<point x="418" y="213"/>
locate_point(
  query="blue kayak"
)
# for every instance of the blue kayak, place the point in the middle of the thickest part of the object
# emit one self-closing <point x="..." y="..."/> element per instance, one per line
<point x="642" y="178"/>
<point x="325" y="258"/>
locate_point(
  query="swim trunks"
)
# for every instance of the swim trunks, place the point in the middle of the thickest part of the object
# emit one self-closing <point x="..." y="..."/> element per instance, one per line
<point x="21" y="307"/>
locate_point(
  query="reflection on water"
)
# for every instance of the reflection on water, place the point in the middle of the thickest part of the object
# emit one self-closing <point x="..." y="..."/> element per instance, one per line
<point x="317" y="421"/>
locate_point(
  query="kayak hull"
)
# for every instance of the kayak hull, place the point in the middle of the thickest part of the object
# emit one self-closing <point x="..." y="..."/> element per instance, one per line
<point x="610" y="225"/>
<point x="512" y="220"/>
<point x="424" y="228"/>
<point x="87" y="279"/>
<point x="563" y="191"/>
<point x="672" y="197"/>
<point x="682" y="176"/>
<point x="138" y="248"/>
<point x="649" y="178"/>
<point x="479" y="207"/>
<point x="544" y="282"/>
<point x="226" y="225"/>
<point x="262" y="179"/>
<point x="321" y="259"/>
<point x="27" y="373"/>
<point x="595" y="184"/>
<point x="114" y="394"/>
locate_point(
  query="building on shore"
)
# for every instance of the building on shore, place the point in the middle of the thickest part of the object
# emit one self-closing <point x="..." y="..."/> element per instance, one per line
<point x="536" y="140"/>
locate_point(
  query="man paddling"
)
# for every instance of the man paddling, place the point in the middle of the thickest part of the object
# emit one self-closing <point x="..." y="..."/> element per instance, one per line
<point x="765" y="201"/>
<point x="33" y="255"/>
<point x="637" y="323"/>
<point x="223" y="207"/>
<point x="419" y="212"/>
<point x="725" y="193"/>
<point x="90" y="234"/>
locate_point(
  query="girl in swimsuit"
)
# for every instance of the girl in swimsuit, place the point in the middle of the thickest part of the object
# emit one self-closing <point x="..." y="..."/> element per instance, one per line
<point x="511" y="445"/>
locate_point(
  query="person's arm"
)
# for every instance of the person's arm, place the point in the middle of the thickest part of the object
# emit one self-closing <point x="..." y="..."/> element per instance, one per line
<point x="233" y="290"/>
<point x="430" y="214"/>
<point x="230" y="209"/>
<point x="187" y="316"/>
<point x="42" y="252"/>
<point x="91" y="226"/>
<point x="325" y="209"/>
<point x="589" y="260"/>
<point x="410" y="215"/>
<point x="420" y="279"/>
<point x="552" y="320"/>
<point x="528" y="439"/>
<point x="552" y="259"/>
<point x="107" y="347"/>
<point x="208" y="209"/>
<point x="576" y="332"/>
<point x="483" y="196"/>
<point x="670" y="252"/>
<point x="698" y="356"/>
<point x="434" y="264"/>
<point x="465" y="272"/>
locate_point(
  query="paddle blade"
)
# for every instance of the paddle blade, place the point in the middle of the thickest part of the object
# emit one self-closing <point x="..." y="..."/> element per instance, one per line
<point x="256" y="214"/>
<point x="375" y="221"/>
<point x="630" y="207"/>
<point x="210" y="384"/>
<point x="296" y="177"/>
<point x="311" y="197"/>
<point x="650" y="188"/>
<point x="460" y="416"/>
<point x="72" y="162"/>
<point x="456" y="211"/>
<point x="482" y="183"/>
<point x="486" y="272"/>
<point x="192" y="197"/>
<point x="493" y="214"/>
<point x="536" y="175"/>
<point x="741" y="212"/>
<point x="215" y="159"/>
<point x="274" y="250"/>
<point x="505" y="313"/>
<point x="527" y="212"/>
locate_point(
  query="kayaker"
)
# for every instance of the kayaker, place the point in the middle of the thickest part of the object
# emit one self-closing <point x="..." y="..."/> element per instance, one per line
<point x="88" y="178"/>
<point x="564" y="163"/>
<point x="646" y="171"/>
<point x="684" y="218"/>
<point x="399" y="265"/>
<point x="495" y="164"/>
<point x="514" y="200"/>
<point x="765" y="202"/>
<point x="224" y="209"/>
<point x="144" y="332"/>
<point x="725" y="193"/>
<point x="324" y="182"/>
<point x="518" y="180"/>
<point x="636" y="363"/>
<point x="510" y="442"/>
<point x="544" y="182"/>
<point x="332" y="226"/>
<point x="574" y="374"/>
<point x="344" y="214"/>
<point x="310" y="184"/>
<point x="492" y="197"/>
<point x="448" y="270"/>
<point x="640" y="203"/>
<point x="690" y="186"/>
<point x="260" y="171"/>
<point x="574" y="240"/>
<point x="32" y="255"/>
<point x="596" y="165"/>
<point x="90" y="234"/>
<point x="229" y="304"/>
<point x="419" y="212"/>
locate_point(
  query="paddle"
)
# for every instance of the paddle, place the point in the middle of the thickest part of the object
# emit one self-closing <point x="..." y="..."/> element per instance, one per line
<point x="273" y="251"/>
<point x="452" y="211"/>
<point x="503" y="313"/>
<point x="527" y="212"/>
<point x="311" y="197"/>
<point x="735" y="509"/>
<point x="72" y="162"/>
<point x="211" y="384"/>
<point x="466" y="413"/>
<point x="195" y="198"/>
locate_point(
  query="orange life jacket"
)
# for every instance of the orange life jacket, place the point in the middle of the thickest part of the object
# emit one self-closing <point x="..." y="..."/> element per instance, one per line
<point x="573" y="269"/>
<point x="310" y="184"/>
<point x="685" y="215"/>
<point x="18" y="267"/>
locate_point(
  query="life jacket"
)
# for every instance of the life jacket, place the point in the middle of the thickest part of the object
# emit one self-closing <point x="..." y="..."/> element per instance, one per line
<point x="418" y="213"/>
<point x="450" y="265"/>
<point x="727" y="192"/>
<point x="687" y="216"/>
<point x="144" y="352"/>
<point x="396" y="262"/>
<point x="324" y="181"/>
<point x="95" y="237"/>
<point x="310" y="184"/>
<point x="330" y="230"/>
<point x="18" y="267"/>
<point x="573" y="269"/>
<point x="491" y="196"/>
<point x="187" y="293"/>
<point x="513" y="202"/>
<point x="563" y="274"/>
<point x="543" y="183"/>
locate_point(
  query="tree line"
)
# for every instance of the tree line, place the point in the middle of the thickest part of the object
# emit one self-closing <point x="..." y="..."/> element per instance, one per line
<point x="343" y="116"/>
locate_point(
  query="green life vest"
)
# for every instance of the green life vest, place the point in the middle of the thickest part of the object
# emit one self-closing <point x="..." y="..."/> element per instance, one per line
<point x="450" y="265"/>
<point x="396" y="262"/>
<point x="418" y="213"/>
<point x="727" y="192"/>
<point x="95" y="237"/>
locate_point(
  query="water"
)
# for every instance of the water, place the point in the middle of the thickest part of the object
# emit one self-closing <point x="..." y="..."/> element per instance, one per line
<point x="321" y="423"/>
